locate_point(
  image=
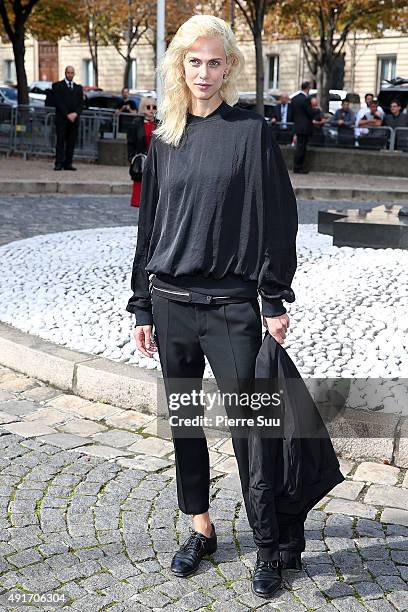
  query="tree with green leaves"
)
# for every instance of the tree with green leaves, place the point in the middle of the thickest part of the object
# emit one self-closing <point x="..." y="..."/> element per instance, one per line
<point x="52" y="19"/>
<point x="129" y="21"/>
<point x="43" y="19"/>
<point x="324" y="27"/>
<point x="14" y="16"/>
<point x="94" y="19"/>
<point x="254" y="12"/>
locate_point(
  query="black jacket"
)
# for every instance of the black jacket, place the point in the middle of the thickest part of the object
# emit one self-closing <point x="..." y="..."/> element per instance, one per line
<point x="302" y="114"/>
<point x="299" y="470"/>
<point x="136" y="137"/>
<point x="277" y="113"/>
<point x="66" y="100"/>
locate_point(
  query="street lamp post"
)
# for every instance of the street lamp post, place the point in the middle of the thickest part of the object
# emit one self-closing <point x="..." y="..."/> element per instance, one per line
<point x="160" y="42"/>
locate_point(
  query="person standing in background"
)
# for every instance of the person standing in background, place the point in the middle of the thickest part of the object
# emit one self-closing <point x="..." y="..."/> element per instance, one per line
<point x="344" y="120"/>
<point x="396" y="118"/>
<point x="318" y="115"/>
<point x="282" y="112"/>
<point x="68" y="99"/>
<point x="138" y="139"/>
<point x="303" y="116"/>
<point x="368" y="98"/>
<point x="344" y="117"/>
<point x="318" y="122"/>
<point x="126" y="105"/>
<point x="281" y="120"/>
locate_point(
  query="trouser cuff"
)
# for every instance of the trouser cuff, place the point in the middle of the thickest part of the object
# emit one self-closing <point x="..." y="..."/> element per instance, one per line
<point x="268" y="554"/>
<point x="191" y="511"/>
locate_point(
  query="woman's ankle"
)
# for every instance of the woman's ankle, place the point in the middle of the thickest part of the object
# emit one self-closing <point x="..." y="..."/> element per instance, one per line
<point x="202" y="524"/>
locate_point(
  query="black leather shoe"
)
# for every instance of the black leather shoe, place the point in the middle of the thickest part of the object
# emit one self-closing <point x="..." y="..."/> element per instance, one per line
<point x="291" y="560"/>
<point x="58" y="167"/>
<point x="267" y="578"/>
<point x="188" y="557"/>
<point x="301" y="171"/>
<point x="69" y="168"/>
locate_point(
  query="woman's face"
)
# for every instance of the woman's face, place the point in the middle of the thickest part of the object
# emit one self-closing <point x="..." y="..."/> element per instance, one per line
<point x="204" y="64"/>
<point x="150" y="109"/>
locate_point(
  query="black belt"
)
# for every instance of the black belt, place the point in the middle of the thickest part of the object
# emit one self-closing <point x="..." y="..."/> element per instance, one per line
<point x="172" y="292"/>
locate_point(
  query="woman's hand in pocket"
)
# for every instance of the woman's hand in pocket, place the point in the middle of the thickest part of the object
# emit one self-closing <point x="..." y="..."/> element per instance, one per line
<point x="144" y="340"/>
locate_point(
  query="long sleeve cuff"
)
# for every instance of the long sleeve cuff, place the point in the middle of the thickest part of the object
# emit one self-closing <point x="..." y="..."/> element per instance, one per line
<point x="143" y="316"/>
<point x="272" y="307"/>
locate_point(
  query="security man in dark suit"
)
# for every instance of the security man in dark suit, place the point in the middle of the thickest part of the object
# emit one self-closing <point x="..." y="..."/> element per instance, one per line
<point x="303" y="119"/>
<point x="68" y="99"/>
<point x="282" y="112"/>
<point x="282" y="115"/>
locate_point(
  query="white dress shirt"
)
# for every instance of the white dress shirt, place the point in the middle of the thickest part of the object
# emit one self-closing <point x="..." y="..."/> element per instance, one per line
<point x="364" y="110"/>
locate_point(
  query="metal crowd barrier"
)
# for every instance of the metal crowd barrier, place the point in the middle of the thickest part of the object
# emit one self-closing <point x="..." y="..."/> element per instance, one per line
<point x="400" y="139"/>
<point x="105" y="123"/>
<point x="31" y="130"/>
<point x="7" y="119"/>
<point x="88" y="134"/>
<point x="374" y="138"/>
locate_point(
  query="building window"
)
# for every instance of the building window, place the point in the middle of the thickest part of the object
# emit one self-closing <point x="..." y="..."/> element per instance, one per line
<point x="273" y="71"/>
<point x="9" y="71"/>
<point x="386" y="69"/>
<point x="88" y="72"/>
<point x="132" y="79"/>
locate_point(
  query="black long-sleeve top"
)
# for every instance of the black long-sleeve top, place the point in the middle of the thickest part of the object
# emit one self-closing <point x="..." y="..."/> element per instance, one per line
<point x="217" y="213"/>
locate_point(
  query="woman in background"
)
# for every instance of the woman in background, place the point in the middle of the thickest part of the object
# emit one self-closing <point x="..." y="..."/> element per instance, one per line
<point x="138" y="139"/>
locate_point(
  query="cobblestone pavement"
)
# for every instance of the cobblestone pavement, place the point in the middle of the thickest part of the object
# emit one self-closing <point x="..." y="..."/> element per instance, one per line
<point x="88" y="516"/>
<point x="26" y="216"/>
<point x="29" y="215"/>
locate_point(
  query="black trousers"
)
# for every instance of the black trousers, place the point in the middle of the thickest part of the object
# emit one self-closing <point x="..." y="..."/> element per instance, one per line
<point x="230" y="336"/>
<point x="66" y="138"/>
<point x="300" y="151"/>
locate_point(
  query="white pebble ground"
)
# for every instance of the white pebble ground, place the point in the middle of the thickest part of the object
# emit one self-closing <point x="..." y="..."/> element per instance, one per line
<point x="349" y="318"/>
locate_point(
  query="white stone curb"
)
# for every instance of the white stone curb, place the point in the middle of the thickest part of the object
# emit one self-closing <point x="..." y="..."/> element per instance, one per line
<point x="120" y="188"/>
<point x="89" y="376"/>
<point x="130" y="387"/>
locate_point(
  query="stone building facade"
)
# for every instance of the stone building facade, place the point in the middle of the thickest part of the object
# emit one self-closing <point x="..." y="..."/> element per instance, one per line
<point x="367" y="63"/>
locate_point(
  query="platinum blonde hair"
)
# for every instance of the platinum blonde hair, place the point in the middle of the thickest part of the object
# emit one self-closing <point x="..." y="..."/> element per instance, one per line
<point x="145" y="100"/>
<point x="173" y="107"/>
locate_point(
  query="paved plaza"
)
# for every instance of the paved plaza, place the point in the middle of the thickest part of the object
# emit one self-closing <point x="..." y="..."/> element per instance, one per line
<point x="73" y="286"/>
<point x="40" y="170"/>
<point x="24" y="216"/>
<point x="88" y="508"/>
<point x="89" y="517"/>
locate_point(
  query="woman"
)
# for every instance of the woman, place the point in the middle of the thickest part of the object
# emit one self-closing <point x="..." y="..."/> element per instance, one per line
<point x="138" y="138"/>
<point x="217" y="224"/>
